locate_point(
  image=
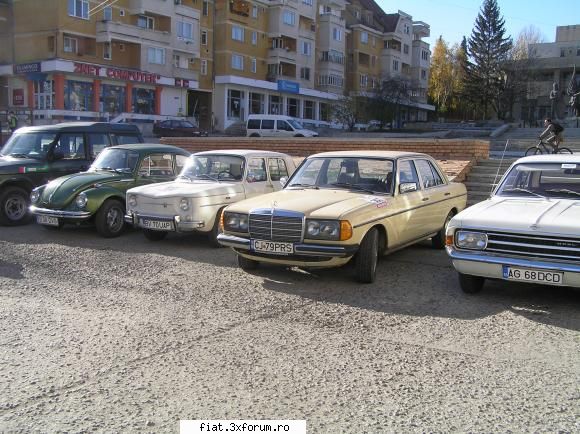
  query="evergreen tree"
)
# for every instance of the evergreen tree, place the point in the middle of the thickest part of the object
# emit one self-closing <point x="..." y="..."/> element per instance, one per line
<point x="487" y="50"/>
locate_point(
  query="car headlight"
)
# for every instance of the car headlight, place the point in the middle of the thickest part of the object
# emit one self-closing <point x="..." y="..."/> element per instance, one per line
<point x="34" y="196"/>
<point x="235" y="222"/>
<point x="471" y="240"/>
<point x="184" y="204"/>
<point x="81" y="200"/>
<point x="132" y="200"/>
<point x="328" y="229"/>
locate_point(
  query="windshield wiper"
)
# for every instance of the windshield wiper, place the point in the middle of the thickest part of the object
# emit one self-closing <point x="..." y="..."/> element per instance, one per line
<point x="189" y="178"/>
<point x="523" y="190"/>
<point x="352" y="186"/>
<point x="208" y="177"/>
<point x="563" y="190"/>
<point x="16" y="155"/>
<point x="109" y="169"/>
<point x="297" y="184"/>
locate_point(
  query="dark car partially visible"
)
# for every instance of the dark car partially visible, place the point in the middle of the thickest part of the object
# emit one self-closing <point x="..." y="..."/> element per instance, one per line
<point x="177" y="128"/>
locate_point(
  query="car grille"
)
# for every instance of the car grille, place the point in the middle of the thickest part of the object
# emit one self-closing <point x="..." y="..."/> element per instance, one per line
<point x="276" y="225"/>
<point x="537" y="246"/>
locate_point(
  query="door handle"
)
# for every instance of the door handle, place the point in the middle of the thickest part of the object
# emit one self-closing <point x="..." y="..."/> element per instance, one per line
<point x="425" y="199"/>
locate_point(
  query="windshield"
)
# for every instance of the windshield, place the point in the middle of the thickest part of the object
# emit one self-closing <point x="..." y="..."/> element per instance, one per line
<point x="550" y="180"/>
<point x="120" y="160"/>
<point x="297" y="125"/>
<point x="28" y="145"/>
<point x="366" y="174"/>
<point x="213" y="167"/>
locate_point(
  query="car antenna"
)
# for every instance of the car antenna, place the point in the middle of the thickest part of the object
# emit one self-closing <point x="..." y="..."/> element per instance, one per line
<point x="499" y="166"/>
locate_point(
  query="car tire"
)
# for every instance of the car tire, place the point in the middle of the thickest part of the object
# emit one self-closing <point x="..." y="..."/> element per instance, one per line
<point x="247" y="264"/>
<point x="254" y="135"/>
<point x="438" y="241"/>
<point x="299" y="135"/>
<point x="14" y="204"/>
<point x="110" y="220"/>
<point x="367" y="257"/>
<point x="154" y="235"/>
<point x="471" y="284"/>
<point x="215" y="230"/>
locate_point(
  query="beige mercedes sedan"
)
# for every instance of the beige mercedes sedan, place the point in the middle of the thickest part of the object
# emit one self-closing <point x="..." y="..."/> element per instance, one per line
<point x="343" y="206"/>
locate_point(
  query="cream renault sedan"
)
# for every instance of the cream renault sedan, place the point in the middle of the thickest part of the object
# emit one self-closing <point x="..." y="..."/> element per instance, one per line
<point x="347" y="205"/>
<point x="528" y="231"/>
<point x="207" y="183"/>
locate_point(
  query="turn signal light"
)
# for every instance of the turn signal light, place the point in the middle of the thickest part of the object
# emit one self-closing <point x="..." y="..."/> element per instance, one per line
<point x="449" y="240"/>
<point x="345" y="230"/>
<point x="222" y="221"/>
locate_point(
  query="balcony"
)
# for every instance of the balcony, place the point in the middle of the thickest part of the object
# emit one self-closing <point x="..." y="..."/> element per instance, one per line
<point x="109" y="30"/>
<point x="187" y="12"/>
<point x="137" y="7"/>
<point x="187" y="74"/>
<point x="276" y="55"/>
<point x="331" y="18"/>
<point x="191" y="47"/>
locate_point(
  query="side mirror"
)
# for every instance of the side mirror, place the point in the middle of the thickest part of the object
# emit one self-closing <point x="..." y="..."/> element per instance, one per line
<point x="283" y="181"/>
<point x="407" y="187"/>
<point x="53" y="155"/>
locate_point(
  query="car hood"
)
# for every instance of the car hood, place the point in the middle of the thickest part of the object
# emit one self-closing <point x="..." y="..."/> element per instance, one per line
<point x="60" y="191"/>
<point x="10" y="165"/>
<point x="323" y="203"/>
<point x="531" y="215"/>
<point x="186" y="188"/>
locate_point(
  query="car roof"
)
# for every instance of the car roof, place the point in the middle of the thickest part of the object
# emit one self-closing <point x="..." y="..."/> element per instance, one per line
<point x="371" y="154"/>
<point x="84" y="126"/>
<point x="243" y="153"/>
<point x="269" y="117"/>
<point x="151" y="147"/>
<point x="550" y="158"/>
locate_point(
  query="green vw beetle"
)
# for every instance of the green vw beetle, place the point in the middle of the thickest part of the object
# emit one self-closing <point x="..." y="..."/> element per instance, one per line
<point x="98" y="195"/>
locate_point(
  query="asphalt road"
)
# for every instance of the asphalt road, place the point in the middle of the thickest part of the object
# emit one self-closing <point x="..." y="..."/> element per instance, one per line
<point x="127" y="335"/>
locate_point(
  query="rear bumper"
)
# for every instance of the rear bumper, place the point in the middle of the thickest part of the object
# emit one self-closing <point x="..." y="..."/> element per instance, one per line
<point x="68" y="215"/>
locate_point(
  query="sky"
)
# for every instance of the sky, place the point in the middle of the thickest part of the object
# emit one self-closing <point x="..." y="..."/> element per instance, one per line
<point x="454" y="19"/>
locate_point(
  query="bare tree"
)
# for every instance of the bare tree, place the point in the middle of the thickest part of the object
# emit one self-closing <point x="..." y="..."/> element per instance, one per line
<point x="389" y="97"/>
<point x="527" y="36"/>
<point x="345" y="111"/>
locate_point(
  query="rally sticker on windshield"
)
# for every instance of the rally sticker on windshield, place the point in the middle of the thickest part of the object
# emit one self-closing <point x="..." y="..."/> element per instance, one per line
<point x="569" y="166"/>
<point x="379" y="202"/>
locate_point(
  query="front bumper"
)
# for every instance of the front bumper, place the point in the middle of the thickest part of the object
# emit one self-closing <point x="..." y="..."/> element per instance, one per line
<point x="305" y="254"/>
<point x="67" y="215"/>
<point x="483" y="264"/>
<point x="178" y="224"/>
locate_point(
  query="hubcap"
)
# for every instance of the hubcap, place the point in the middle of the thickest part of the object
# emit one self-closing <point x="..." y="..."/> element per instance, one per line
<point x="15" y="208"/>
<point x="114" y="219"/>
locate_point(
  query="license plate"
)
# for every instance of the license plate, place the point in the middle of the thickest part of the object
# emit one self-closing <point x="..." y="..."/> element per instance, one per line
<point x="531" y="275"/>
<point x="158" y="225"/>
<point x="47" y="220"/>
<point x="273" y="247"/>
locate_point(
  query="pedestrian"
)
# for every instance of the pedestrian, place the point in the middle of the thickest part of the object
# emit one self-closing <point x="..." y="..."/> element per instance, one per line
<point x="12" y="122"/>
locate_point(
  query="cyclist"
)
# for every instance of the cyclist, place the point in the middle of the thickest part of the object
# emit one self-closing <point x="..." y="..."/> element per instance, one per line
<point x="552" y="133"/>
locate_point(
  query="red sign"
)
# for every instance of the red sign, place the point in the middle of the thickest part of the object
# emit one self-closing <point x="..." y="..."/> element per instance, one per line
<point x="17" y="96"/>
<point x="180" y="82"/>
<point x="119" y="74"/>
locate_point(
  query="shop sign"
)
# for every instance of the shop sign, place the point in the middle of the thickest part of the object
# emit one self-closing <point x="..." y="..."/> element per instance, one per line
<point x="17" y="96"/>
<point x="26" y="68"/>
<point x="288" y="86"/>
<point x="116" y="73"/>
<point x="179" y="82"/>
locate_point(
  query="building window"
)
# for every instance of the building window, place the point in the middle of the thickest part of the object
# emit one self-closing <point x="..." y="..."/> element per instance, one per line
<point x="407" y="29"/>
<point x="238" y="62"/>
<point x="306" y="48"/>
<point x="289" y="18"/>
<point x="107" y="55"/>
<point x="143" y="101"/>
<point x="395" y="65"/>
<point x="78" y="95"/>
<point x="185" y="30"/>
<point x="205" y="8"/>
<point x="204" y="37"/>
<point x="293" y="107"/>
<point x="364" y="37"/>
<point x="373" y="60"/>
<point x="305" y="73"/>
<point x="423" y="74"/>
<point x="307" y="2"/>
<point x="254" y="65"/>
<point x="254" y="38"/>
<point x="424" y="55"/>
<point x="324" y="112"/>
<point x="235" y="98"/>
<point x="180" y="62"/>
<point x="146" y="22"/>
<point x="256" y="103"/>
<point x="113" y="99"/>
<point x="43" y="94"/>
<point x="78" y="8"/>
<point x="363" y="80"/>
<point x="156" y="55"/>
<point x="70" y="45"/>
<point x="254" y="11"/>
<point x="237" y="33"/>
<point x="308" y="109"/>
<point x="122" y="47"/>
<point x="204" y="67"/>
<point x="405" y="49"/>
<point x="275" y="105"/>
<point x="336" y="34"/>
<point x="121" y="12"/>
<point x="108" y="13"/>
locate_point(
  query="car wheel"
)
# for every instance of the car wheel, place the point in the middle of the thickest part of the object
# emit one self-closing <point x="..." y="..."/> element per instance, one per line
<point x="565" y="151"/>
<point x="367" y="257"/>
<point x="14" y="207"/>
<point x="299" y="135"/>
<point x="470" y="284"/>
<point x="110" y="218"/>
<point x="154" y="235"/>
<point x="247" y="264"/>
<point x="254" y="135"/>
<point x="216" y="230"/>
<point x="438" y="241"/>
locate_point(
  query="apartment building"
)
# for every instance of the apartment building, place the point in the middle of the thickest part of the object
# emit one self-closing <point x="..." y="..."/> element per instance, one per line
<point x="89" y="59"/>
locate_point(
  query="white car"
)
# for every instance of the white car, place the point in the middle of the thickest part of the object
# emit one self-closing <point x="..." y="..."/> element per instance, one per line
<point x="208" y="182"/>
<point x="528" y="231"/>
<point x="276" y="126"/>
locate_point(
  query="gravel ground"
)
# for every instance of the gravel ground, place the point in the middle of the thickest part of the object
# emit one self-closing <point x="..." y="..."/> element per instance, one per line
<point x="126" y="335"/>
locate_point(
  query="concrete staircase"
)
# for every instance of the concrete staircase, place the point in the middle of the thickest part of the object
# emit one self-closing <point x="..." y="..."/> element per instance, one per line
<point x="483" y="177"/>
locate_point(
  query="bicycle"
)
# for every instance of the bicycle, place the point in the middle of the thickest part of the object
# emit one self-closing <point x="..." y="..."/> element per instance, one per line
<point x="542" y="148"/>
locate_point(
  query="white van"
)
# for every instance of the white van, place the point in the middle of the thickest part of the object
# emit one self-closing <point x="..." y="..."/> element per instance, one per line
<point x="276" y="126"/>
